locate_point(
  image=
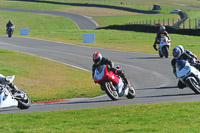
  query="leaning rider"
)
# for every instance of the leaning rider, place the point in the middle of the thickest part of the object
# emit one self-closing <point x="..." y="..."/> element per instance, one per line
<point x="5" y="81"/>
<point x="180" y="54"/>
<point x="161" y="33"/>
<point x="99" y="60"/>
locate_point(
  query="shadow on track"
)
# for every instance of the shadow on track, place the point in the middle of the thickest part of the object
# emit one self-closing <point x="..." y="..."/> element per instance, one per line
<point x="152" y="58"/>
<point x="169" y="95"/>
<point x="158" y="88"/>
<point x="8" y="109"/>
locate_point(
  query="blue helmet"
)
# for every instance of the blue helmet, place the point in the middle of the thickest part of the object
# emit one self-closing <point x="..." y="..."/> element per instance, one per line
<point x="176" y="52"/>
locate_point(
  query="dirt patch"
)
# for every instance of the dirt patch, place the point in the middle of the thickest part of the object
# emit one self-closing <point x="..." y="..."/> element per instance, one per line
<point x="96" y="11"/>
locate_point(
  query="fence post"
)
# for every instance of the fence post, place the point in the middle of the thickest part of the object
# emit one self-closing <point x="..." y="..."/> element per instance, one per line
<point x="150" y="21"/>
<point x="189" y="23"/>
<point x="173" y="21"/>
<point x="195" y="23"/>
<point x="154" y="21"/>
<point x="183" y="24"/>
<point x="168" y="21"/>
<point x="163" y="21"/>
<point x="146" y="22"/>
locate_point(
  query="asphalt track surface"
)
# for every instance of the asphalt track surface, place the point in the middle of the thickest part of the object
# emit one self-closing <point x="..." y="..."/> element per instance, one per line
<point x="82" y="22"/>
<point x="151" y="76"/>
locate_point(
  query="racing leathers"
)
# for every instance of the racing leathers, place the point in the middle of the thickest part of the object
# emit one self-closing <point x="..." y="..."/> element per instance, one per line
<point x="9" y="24"/>
<point x="111" y="67"/>
<point x="187" y="55"/>
<point x="5" y="81"/>
<point x="159" y="35"/>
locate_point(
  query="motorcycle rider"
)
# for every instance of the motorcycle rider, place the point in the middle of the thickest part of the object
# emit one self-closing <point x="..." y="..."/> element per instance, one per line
<point x="180" y="54"/>
<point x="9" y="24"/>
<point x="99" y="60"/>
<point x="161" y="33"/>
<point x="4" y="80"/>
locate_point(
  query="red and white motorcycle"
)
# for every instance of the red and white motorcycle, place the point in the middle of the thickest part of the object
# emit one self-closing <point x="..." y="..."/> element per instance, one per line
<point x="112" y="84"/>
<point x="164" y="46"/>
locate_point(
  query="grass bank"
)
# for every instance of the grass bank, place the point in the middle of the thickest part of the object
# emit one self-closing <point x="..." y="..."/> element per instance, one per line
<point x="45" y="80"/>
<point x="162" y="117"/>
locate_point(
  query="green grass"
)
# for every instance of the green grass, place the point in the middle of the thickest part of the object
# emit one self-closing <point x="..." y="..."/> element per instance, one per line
<point x="45" y="80"/>
<point x="61" y="29"/>
<point x="162" y="117"/>
<point x="37" y="80"/>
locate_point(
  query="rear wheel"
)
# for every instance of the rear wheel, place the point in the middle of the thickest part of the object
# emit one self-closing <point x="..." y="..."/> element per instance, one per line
<point x="192" y="83"/>
<point x="111" y="91"/>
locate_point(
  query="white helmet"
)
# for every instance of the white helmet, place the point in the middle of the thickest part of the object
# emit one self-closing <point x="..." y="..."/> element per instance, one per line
<point x="181" y="48"/>
<point x="97" y="57"/>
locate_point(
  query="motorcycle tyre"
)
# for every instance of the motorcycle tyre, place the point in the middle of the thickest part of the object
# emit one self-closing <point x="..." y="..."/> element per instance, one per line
<point x="193" y="85"/>
<point x="160" y="54"/>
<point x="9" y="35"/>
<point x="109" y="89"/>
<point x="25" y="104"/>
<point x="131" y="93"/>
<point x="165" y="51"/>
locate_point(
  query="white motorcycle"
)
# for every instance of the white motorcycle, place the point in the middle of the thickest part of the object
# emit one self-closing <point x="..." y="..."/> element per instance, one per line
<point x="10" y="31"/>
<point x="188" y="75"/>
<point x="8" y="99"/>
<point x="164" y="46"/>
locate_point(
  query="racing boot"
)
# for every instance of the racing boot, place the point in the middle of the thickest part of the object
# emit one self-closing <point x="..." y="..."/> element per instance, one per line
<point x="122" y="74"/>
<point x="14" y="88"/>
<point x="154" y="46"/>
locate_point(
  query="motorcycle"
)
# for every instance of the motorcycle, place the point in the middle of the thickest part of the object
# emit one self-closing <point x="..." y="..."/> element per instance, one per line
<point x="164" y="46"/>
<point x="112" y="84"/>
<point x="188" y="75"/>
<point x="19" y="99"/>
<point x="10" y="31"/>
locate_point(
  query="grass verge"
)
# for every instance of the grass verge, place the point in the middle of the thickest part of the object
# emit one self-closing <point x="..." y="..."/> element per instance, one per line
<point x="47" y="80"/>
<point x="162" y="117"/>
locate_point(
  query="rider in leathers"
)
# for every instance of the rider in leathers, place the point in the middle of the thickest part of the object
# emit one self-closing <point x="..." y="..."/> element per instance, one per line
<point x="99" y="60"/>
<point x="162" y="32"/>
<point x="9" y="24"/>
<point x="4" y="81"/>
<point x="180" y="54"/>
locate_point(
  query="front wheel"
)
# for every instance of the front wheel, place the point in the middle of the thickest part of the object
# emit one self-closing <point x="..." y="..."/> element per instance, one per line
<point x="165" y="51"/>
<point x="192" y="83"/>
<point x="25" y="102"/>
<point x="111" y="91"/>
<point x="131" y="92"/>
<point x="160" y="54"/>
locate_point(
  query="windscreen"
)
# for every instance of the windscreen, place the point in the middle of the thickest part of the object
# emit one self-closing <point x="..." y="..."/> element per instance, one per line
<point x="99" y="69"/>
<point x="180" y="64"/>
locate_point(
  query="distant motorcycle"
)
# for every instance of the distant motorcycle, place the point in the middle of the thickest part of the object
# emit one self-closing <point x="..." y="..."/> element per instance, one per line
<point x="164" y="46"/>
<point x="8" y="99"/>
<point x="112" y="84"/>
<point x="10" y="31"/>
<point x="188" y="75"/>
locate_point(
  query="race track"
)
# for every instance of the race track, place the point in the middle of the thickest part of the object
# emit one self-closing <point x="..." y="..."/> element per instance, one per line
<point x="151" y="76"/>
<point x="82" y="22"/>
